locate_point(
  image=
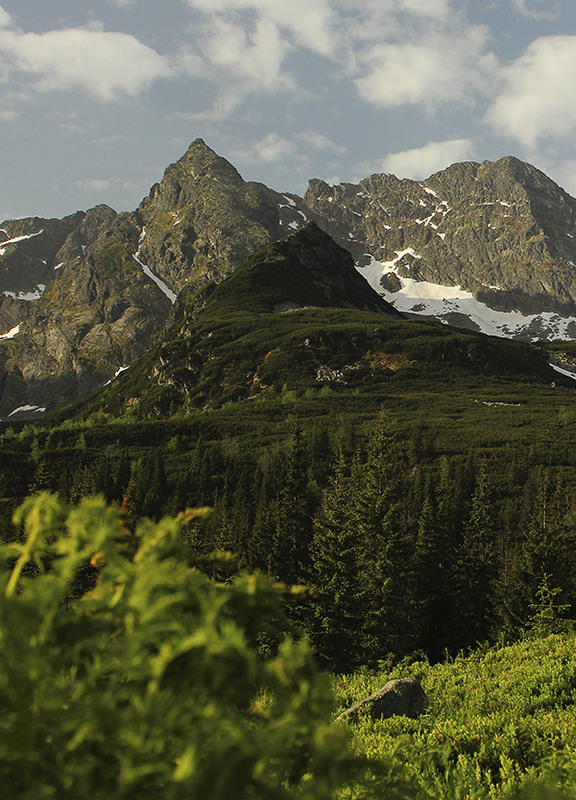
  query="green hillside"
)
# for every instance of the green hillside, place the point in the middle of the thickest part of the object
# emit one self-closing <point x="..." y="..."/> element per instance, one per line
<point x="420" y="477"/>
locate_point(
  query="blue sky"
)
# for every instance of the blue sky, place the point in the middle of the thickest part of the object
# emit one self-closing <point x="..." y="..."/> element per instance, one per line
<point x="99" y="96"/>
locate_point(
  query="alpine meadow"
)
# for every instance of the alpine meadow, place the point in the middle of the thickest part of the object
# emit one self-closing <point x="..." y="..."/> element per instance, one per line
<point x="264" y="456"/>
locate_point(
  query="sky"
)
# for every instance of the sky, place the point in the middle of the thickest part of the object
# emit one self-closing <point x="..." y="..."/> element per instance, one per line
<point x="97" y="97"/>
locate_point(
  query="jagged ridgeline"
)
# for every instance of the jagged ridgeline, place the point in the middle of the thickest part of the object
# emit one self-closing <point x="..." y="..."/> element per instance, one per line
<point x="490" y="247"/>
<point x="103" y="283"/>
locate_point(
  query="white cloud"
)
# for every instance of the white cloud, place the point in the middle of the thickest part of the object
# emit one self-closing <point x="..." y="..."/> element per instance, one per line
<point x="422" y="162"/>
<point x="269" y="149"/>
<point x="436" y="9"/>
<point x="106" y="65"/>
<point x="273" y="148"/>
<point x="435" y="68"/>
<point x="309" y="22"/>
<point x="444" y="60"/>
<point x="101" y="185"/>
<point x="255" y="56"/>
<point x="538" y="95"/>
<point x="94" y="184"/>
<point x="537" y="9"/>
<point x="222" y="106"/>
<point x="5" y="19"/>
<point x="318" y="141"/>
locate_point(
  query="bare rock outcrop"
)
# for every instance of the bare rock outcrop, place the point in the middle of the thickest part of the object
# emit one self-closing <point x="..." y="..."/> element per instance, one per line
<point x="400" y="697"/>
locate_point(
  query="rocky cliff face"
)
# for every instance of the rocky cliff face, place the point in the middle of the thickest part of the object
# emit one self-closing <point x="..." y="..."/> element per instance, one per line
<point x="82" y="297"/>
<point x="502" y="231"/>
<point x="203" y="219"/>
<point x="95" y="312"/>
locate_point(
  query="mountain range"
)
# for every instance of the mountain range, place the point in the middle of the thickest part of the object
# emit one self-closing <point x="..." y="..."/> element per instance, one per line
<point x="487" y="247"/>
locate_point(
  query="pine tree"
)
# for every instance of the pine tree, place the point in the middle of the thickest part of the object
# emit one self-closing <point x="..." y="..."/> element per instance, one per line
<point x="435" y="609"/>
<point x="338" y="582"/>
<point x="476" y="568"/>
<point x="291" y="518"/>
<point x="385" y="551"/>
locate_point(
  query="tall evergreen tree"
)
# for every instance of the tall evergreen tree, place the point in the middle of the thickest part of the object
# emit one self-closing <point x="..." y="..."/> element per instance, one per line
<point x="385" y="553"/>
<point x="339" y="611"/>
<point x="434" y="606"/>
<point x="291" y="516"/>
<point x="476" y="566"/>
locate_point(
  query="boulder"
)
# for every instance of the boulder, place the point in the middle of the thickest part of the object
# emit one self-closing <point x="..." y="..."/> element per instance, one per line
<point x="402" y="697"/>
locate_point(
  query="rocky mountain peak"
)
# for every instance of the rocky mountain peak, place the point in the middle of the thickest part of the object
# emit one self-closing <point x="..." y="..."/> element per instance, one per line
<point x="191" y="174"/>
<point x="82" y="297"/>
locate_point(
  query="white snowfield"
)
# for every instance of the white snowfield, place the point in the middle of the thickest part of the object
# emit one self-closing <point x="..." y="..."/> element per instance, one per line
<point x="442" y="302"/>
<point x="16" y="239"/>
<point x="562" y="371"/>
<point x="11" y="333"/>
<point x="147" y="271"/>
<point x="36" y="409"/>
<point x="27" y="296"/>
<point x="118" y="372"/>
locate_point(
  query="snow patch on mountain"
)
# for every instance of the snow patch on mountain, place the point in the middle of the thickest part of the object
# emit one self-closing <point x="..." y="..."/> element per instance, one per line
<point x="148" y="272"/>
<point x="16" y="239"/>
<point x="562" y="371"/>
<point x="11" y="333"/>
<point x="119" y="371"/>
<point x="28" y="296"/>
<point x="22" y="409"/>
<point x="448" y="303"/>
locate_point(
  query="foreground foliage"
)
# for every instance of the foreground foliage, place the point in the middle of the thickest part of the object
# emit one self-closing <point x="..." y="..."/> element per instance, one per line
<point x="150" y="683"/>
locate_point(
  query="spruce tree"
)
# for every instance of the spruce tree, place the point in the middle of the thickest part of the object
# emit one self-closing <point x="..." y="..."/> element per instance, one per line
<point x="338" y="582"/>
<point x="476" y="565"/>
<point x="385" y="549"/>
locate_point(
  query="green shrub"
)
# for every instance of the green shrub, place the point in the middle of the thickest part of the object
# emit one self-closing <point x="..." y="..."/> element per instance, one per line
<point x="128" y="673"/>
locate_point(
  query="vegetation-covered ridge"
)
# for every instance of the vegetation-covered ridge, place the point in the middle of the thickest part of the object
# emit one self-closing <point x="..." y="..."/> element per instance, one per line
<point x="296" y="314"/>
<point x="132" y="669"/>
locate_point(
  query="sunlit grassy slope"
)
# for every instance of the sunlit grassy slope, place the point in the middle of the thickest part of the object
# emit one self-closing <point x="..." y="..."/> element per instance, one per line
<point x="500" y="724"/>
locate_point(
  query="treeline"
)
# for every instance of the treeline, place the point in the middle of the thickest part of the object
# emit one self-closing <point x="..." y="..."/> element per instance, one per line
<point x="403" y="551"/>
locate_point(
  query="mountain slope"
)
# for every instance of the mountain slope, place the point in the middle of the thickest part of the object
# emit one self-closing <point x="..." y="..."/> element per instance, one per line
<point x="488" y="247"/>
<point x="111" y="278"/>
<point x="98" y="313"/>
<point x="296" y="316"/>
<point x="503" y="232"/>
<point x="203" y="219"/>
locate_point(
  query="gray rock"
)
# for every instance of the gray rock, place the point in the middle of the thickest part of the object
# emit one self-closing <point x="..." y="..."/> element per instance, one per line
<point x="400" y="697"/>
